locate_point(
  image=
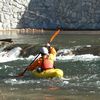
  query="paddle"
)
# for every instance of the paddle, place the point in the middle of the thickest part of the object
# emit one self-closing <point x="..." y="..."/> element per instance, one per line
<point x="54" y="35"/>
<point x="22" y="73"/>
<point x="51" y="39"/>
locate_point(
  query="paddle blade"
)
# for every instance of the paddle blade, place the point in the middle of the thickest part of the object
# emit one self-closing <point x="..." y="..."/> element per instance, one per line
<point x="54" y="35"/>
<point x="20" y="75"/>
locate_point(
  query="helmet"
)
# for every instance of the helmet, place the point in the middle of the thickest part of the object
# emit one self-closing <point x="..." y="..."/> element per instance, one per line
<point x="44" y="50"/>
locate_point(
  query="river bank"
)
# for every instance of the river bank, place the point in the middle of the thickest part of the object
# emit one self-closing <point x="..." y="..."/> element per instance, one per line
<point x="49" y="31"/>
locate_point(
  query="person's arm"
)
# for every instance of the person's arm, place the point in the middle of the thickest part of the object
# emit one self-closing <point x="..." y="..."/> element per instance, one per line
<point x="52" y="51"/>
<point x="52" y="54"/>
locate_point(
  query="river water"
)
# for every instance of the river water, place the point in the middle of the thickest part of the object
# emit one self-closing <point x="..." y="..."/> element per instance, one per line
<point x="82" y="71"/>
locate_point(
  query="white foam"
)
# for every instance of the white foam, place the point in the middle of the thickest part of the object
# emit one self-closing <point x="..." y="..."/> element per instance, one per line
<point x="68" y="57"/>
<point x="8" y="59"/>
<point x="15" y="81"/>
<point x="85" y="57"/>
<point x="11" y="55"/>
<point x="63" y="55"/>
<point x="31" y="57"/>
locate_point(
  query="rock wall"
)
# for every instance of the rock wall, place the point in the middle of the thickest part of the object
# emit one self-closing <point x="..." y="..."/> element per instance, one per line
<point x="48" y="14"/>
<point x="11" y="12"/>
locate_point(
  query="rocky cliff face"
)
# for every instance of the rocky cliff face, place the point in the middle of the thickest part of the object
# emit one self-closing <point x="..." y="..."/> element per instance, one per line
<point x="69" y="14"/>
<point x="11" y="12"/>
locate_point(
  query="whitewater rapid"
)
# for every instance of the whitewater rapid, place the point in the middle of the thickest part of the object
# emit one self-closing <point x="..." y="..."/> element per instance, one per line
<point x="62" y="55"/>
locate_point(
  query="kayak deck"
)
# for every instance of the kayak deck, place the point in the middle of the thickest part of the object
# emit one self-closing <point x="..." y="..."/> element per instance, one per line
<point x="50" y="73"/>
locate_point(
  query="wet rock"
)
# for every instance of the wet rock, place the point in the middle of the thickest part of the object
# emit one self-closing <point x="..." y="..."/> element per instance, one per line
<point x="29" y="49"/>
<point x="95" y="50"/>
<point x="65" y="52"/>
<point x="80" y="50"/>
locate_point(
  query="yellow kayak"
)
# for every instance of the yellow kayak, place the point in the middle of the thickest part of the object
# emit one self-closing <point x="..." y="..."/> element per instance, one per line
<point x="50" y="73"/>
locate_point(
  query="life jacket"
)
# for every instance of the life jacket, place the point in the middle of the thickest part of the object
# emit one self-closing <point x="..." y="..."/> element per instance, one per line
<point x="47" y="64"/>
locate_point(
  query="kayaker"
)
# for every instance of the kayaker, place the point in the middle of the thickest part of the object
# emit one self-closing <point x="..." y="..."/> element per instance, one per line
<point x="46" y="62"/>
<point x="43" y="67"/>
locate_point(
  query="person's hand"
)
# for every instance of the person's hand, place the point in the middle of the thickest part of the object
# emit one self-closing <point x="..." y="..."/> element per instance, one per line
<point x="48" y="44"/>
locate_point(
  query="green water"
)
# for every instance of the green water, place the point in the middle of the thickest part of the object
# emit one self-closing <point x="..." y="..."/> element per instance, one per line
<point x="84" y="76"/>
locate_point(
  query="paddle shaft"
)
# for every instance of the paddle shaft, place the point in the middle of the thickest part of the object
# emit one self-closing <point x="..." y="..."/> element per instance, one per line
<point x="29" y="64"/>
<point x="54" y="35"/>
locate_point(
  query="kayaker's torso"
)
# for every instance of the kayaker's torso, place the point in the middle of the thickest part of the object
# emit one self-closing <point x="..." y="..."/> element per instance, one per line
<point x="45" y="62"/>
